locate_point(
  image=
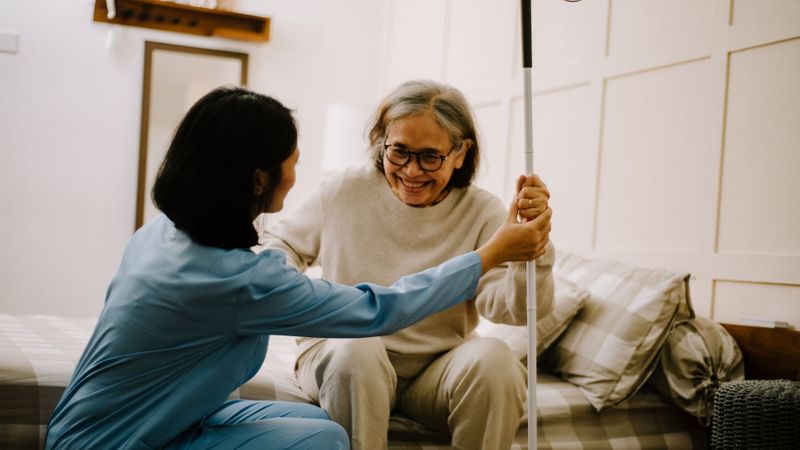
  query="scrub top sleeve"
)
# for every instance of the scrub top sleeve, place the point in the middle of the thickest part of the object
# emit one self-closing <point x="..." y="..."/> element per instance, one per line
<point x="281" y="300"/>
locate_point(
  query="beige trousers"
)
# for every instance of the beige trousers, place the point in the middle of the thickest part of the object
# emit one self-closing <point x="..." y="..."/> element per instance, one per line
<point x="475" y="391"/>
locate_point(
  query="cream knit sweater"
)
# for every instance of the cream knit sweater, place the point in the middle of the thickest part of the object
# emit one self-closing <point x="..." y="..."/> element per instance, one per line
<point x="357" y="230"/>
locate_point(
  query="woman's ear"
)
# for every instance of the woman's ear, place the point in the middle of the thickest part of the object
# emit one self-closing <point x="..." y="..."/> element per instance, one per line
<point x="462" y="153"/>
<point x="259" y="182"/>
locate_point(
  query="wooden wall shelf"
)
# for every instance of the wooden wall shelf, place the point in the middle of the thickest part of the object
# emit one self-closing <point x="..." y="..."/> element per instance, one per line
<point x="180" y="18"/>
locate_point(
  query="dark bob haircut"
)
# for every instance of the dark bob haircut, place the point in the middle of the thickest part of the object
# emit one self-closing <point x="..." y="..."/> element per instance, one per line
<point x="450" y="109"/>
<point x="205" y="184"/>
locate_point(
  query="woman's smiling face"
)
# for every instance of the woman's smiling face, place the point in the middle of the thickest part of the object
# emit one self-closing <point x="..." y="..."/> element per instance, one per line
<point x="411" y="184"/>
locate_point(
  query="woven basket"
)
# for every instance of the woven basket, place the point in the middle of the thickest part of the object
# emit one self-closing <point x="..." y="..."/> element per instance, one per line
<point x="757" y="414"/>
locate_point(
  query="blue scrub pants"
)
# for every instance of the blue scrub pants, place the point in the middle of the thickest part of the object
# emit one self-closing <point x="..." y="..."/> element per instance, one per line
<point x="263" y="425"/>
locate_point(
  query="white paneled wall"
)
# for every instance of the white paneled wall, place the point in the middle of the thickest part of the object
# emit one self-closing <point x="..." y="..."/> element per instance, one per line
<point x="411" y="26"/>
<point x="492" y="119"/>
<point x="565" y="157"/>
<point x="641" y="24"/>
<point x="472" y="25"/>
<point x="668" y="132"/>
<point x="655" y="154"/>
<point x="761" y="166"/>
<point x="744" y="10"/>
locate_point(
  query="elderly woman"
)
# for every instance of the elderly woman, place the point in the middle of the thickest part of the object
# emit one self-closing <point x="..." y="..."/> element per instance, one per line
<point x="413" y="207"/>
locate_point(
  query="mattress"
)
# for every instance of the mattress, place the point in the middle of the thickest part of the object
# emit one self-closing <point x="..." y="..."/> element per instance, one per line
<point x="39" y="353"/>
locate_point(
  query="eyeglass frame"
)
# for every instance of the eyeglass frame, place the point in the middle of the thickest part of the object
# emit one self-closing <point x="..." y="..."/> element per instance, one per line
<point x="442" y="158"/>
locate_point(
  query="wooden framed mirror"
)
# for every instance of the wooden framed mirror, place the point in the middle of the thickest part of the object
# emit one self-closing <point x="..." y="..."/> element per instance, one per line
<point x="175" y="77"/>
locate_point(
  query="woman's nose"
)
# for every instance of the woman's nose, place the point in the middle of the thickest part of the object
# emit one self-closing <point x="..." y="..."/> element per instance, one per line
<point x="412" y="167"/>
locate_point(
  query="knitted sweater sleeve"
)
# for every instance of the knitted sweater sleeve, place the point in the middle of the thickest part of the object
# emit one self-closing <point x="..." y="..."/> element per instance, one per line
<point x="502" y="293"/>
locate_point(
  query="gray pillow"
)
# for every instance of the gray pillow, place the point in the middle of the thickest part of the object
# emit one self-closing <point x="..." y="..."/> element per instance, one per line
<point x="698" y="355"/>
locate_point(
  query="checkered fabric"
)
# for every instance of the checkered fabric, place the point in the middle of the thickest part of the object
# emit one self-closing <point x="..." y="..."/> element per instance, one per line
<point x="37" y="357"/>
<point x="568" y="421"/>
<point x="611" y="346"/>
<point x="38" y="354"/>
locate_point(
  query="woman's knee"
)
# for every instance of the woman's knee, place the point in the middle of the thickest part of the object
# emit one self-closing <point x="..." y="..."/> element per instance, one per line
<point x="490" y="360"/>
<point x="360" y="360"/>
<point x="361" y="350"/>
<point x="331" y="435"/>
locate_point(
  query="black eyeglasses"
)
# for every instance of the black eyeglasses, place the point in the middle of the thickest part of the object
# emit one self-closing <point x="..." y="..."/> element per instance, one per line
<point x="428" y="160"/>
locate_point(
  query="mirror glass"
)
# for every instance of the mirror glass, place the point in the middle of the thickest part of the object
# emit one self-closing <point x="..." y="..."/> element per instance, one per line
<point x="175" y="77"/>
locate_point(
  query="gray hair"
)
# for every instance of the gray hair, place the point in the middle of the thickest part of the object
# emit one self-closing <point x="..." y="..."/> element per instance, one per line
<point x="447" y="105"/>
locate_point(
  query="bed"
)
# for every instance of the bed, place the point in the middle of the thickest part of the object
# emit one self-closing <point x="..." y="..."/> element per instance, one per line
<point x="40" y="352"/>
<point x="589" y="396"/>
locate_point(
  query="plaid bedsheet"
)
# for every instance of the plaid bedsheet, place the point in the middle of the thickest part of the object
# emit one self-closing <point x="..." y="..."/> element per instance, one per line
<point x="38" y="355"/>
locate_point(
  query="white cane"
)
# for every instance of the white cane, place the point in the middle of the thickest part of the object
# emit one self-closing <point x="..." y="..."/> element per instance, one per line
<point x="530" y="266"/>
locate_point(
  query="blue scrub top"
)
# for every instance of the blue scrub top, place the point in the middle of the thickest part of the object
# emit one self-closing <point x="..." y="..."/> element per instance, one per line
<point x="184" y="325"/>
